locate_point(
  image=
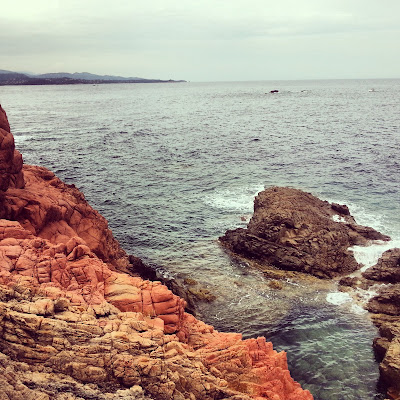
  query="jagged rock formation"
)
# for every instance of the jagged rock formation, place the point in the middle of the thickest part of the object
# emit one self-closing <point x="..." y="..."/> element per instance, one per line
<point x="385" y="307"/>
<point x="296" y="231"/>
<point x="387" y="268"/>
<point x="74" y="325"/>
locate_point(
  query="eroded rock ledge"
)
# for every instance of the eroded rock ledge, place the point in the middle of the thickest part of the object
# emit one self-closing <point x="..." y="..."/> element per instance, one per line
<point x="74" y="324"/>
<point x="296" y="231"/>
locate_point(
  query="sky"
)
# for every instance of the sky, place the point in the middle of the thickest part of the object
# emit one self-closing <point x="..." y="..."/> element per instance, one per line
<point x="203" y="40"/>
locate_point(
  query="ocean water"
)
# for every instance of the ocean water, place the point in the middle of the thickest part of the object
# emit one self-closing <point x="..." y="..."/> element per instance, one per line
<point x="173" y="166"/>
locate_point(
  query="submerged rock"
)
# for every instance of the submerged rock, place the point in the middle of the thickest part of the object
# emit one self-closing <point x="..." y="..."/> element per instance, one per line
<point x="296" y="231"/>
<point x="74" y="324"/>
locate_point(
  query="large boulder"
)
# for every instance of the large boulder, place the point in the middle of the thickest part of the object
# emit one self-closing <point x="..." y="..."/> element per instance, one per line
<point x="294" y="230"/>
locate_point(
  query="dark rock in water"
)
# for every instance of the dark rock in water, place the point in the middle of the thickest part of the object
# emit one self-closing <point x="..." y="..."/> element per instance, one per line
<point x="387" y="269"/>
<point x="340" y="208"/>
<point x="294" y="230"/>
<point x="350" y="282"/>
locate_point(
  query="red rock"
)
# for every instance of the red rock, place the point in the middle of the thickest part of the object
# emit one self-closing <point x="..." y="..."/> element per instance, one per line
<point x="81" y="317"/>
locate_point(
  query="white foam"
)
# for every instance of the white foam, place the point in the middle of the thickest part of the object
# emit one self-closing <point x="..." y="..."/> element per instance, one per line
<point x="240" y="200"/>
<point x="369" y="255"/>
<point x="338" y="218"/>
<point x="358" y="309"/>
<point x="338" y="298"/>
<point x="365" y="216"/>
<point x="21" y="138"/>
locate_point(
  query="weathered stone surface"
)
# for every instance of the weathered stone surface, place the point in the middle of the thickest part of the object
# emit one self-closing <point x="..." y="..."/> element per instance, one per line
<point x="385" y="307"/>
<point x="124" y="349"/>
<point x="294" y="230"/>
<point x="52" y="210"/>
<point x="73" y="326"/>
<point x="387" y="301"/>
<point x="387" y="269"/>
<point x="10" y="159"/>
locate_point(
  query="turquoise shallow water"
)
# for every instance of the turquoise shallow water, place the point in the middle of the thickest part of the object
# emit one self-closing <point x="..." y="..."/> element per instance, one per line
<point x="173" y="166"/>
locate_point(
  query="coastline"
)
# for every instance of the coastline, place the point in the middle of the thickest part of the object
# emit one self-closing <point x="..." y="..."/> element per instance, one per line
<point x="70" y="307"/>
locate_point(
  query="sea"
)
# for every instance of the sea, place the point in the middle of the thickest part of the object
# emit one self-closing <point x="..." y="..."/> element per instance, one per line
<point x="172" y="166"/>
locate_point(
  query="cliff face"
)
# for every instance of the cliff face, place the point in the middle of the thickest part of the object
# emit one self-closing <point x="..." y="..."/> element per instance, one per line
<point x="296" y="231"/>
<point x="74" y="325"/>
<point x="10" y="159"/>
<point x="385" y="309"/>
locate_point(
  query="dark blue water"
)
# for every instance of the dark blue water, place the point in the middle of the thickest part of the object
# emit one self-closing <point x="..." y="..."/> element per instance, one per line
<point x="173" y="166"/>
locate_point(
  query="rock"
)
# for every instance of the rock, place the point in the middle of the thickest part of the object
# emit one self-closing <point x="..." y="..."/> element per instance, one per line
<point x="52" y="210"/>
<point x="74" y="324"/>
<point x="274" y="284"/>
<point x="186" y="288"/>
<point x="387" y="301"/>
<point x="294" y="230"/>
<point x="10" y="159"/>
<point x="353" y="282"/>
<point x="386" y="308"/>
<point x="387" y="269"/>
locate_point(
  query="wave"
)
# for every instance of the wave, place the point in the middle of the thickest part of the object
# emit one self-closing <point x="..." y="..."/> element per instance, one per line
<point x="235" y="199"/>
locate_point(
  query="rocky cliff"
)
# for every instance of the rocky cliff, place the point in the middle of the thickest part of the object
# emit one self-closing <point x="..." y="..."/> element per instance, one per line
<point x="385" y="309"/>
<point x="75" y="325"/>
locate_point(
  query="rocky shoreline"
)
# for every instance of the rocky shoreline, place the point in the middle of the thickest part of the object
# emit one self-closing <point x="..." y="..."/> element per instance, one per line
<point x="292" y="232"/>
<point x="76" y="324"/>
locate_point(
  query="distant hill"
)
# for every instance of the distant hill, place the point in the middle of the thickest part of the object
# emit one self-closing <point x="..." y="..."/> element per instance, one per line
<point x="87" y="76"/>
<point x="65" y="78"/>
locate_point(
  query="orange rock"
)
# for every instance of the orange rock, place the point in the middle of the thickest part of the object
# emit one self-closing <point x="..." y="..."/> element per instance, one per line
<point x="74" y="311"/>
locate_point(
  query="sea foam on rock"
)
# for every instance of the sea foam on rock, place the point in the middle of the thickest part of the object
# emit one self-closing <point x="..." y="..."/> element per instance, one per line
<point x="74" y="324"/>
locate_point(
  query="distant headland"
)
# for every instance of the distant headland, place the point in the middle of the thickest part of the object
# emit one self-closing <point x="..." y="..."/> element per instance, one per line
<point x="65" y="78"/>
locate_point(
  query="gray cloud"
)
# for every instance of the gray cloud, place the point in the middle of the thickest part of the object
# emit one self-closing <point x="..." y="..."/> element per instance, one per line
<point x="204" y="40"/>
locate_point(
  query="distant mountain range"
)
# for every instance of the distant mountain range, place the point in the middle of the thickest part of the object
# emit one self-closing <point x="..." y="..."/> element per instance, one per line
<point x="65" y="78"/>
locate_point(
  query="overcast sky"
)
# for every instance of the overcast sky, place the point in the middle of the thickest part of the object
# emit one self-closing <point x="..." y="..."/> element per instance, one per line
<point x="203" y="40"/>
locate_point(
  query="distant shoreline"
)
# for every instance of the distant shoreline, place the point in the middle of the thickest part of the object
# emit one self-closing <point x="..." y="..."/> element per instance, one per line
<point x="66" y="81"/>
<point x="9" y="78"/>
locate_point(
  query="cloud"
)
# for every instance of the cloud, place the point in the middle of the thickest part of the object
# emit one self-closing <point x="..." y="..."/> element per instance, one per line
<point x="168" y="34"/>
